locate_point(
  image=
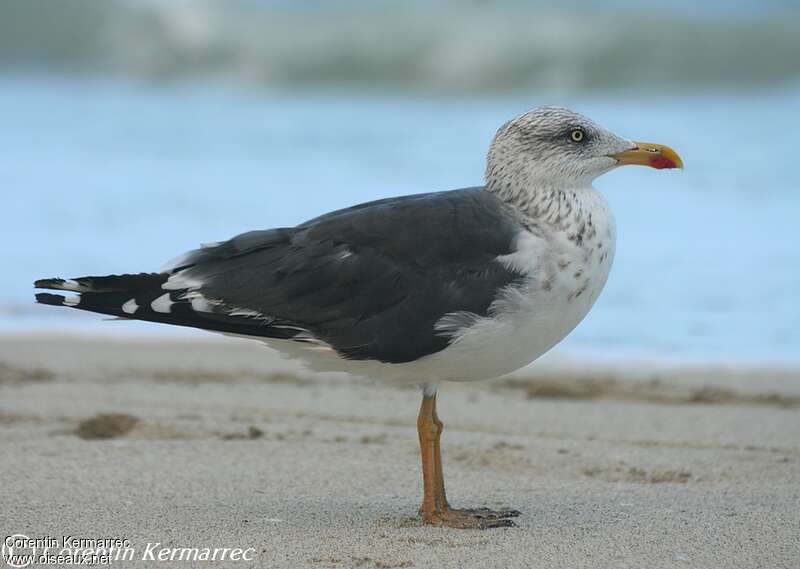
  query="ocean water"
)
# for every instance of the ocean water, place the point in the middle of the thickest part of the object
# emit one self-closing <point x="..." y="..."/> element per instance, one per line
<point x="102" y="174"/>
<point x="412" y="46"/>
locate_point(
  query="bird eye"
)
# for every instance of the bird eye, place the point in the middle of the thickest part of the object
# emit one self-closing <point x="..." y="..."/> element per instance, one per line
<point x="577" y="135"/>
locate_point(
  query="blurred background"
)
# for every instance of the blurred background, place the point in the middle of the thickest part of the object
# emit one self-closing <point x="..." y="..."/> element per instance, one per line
<point x="132" y="130"/>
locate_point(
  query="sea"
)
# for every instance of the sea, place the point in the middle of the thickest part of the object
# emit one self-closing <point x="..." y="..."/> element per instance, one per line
<point x="133" y="130"/>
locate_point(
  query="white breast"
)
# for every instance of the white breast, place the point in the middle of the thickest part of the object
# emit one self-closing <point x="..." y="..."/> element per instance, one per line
<point x="567" y="267"/>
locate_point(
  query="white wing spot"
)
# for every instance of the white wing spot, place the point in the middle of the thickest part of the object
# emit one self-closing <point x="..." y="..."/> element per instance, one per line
<point x="72" y="300"/>
<point x="162" y="304"/>
<point x="130" y="307"/>
<point x="200" y="303"/>
<point x="74" y="286"/>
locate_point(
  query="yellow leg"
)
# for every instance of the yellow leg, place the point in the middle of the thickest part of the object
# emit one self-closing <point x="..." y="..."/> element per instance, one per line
<point x="437" y="453"/>
<point x="430" y="429"/>
<point x="435" y="510"/>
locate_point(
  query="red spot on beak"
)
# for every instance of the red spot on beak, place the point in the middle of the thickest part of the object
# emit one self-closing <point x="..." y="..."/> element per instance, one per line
<point x="661" y="162"/>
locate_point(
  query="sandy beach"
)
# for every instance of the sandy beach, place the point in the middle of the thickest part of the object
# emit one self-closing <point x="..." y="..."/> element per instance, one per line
<point x="195" y="443"/>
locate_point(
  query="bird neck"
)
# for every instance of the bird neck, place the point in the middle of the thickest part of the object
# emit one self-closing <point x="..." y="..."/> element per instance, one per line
<point x="554" y="204"/>
<point x="532" y="187"/>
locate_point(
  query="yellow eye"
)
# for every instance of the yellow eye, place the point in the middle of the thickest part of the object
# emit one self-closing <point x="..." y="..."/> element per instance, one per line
<point x="577" y="135"/>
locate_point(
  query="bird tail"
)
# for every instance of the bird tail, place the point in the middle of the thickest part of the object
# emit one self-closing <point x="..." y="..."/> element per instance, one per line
<point x="143" y="297"/>
<point x="127" y="296"/>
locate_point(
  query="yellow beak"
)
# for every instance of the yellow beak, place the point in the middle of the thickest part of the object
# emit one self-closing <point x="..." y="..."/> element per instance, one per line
<point x="649" y="154"/>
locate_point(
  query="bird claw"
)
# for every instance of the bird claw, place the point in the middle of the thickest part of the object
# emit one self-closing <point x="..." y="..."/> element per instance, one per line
<point x="492" y="514"/>
<point x="471" y="518"/>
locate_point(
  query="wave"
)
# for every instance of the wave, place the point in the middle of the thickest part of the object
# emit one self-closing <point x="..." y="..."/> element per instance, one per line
<point x="413" y="47"/>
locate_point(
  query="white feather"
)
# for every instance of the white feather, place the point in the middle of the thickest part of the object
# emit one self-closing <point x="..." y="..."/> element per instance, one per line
<point x="200" y="303"/>
<point x="247" y="313"/>
<point x="72" y="300"/>
<point x="162" y="304"/>
<point x="182" y="280"/>
<point x="130" y="307"/>
<point x="74" y="286"/>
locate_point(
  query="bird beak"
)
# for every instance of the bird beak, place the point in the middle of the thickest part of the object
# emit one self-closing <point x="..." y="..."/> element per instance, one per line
<point x="649" y="154"/>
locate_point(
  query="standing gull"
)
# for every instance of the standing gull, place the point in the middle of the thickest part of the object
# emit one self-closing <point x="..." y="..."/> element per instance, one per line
<point x="459" y="285"/>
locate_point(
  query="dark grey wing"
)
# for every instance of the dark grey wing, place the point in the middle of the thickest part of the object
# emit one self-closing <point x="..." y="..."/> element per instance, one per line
<point x="372" y="280"/>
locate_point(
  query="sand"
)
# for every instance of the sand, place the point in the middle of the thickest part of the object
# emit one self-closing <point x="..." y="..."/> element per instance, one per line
<point x="215" y="443"/>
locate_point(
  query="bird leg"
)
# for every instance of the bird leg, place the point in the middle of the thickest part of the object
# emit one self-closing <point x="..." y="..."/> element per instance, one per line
<point x="435" y="510"/>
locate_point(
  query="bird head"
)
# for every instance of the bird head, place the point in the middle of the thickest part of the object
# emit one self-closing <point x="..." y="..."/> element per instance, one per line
<point x="553" y="147"/>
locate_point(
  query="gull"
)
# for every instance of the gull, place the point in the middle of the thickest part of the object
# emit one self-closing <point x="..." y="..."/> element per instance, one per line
<point x="459" y="285"/>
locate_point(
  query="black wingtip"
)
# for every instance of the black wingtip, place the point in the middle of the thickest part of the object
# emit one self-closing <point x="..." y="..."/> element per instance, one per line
<point x="49" y="283"/>
<point x="47" y="298"/>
